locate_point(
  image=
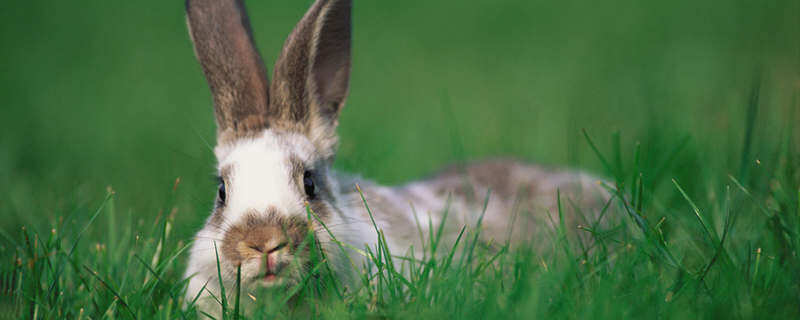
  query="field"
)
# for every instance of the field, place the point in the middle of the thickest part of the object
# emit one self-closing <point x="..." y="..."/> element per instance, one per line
<point x="691" y="109"/>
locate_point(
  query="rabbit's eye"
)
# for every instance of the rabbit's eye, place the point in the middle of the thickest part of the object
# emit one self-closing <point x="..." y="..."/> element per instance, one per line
<point x="308" y="185"/>
<point x="221" y="192"/>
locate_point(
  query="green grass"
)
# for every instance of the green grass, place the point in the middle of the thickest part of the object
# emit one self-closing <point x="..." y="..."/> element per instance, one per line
<point x="686" y="262"/>
<point x="689" y="108"/>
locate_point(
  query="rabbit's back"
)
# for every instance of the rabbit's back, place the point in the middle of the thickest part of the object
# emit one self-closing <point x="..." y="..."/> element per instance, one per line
<point x="518" y="202"/>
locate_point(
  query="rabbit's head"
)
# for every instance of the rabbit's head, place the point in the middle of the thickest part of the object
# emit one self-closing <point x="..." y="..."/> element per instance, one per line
<point x="275" y="142"/>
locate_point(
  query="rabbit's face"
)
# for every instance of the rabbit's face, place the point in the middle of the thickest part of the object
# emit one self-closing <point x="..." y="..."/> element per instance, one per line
<point x="275" y="139"/>
<point x="273" y="188"/>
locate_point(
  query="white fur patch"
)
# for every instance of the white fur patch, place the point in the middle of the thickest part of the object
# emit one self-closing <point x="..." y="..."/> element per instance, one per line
<point x="261" y="174"/>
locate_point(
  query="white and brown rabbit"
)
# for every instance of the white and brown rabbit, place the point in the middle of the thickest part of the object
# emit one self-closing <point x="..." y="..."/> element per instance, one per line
<point x="276" y="142"/>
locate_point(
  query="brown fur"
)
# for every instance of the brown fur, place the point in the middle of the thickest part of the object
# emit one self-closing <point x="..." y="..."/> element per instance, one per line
<point x="523" y="200"/>
<point x="259" y="233"/>
<point x="494" y="175"/>
<point x="311" y="77"/>
<point x="223" y="43"/>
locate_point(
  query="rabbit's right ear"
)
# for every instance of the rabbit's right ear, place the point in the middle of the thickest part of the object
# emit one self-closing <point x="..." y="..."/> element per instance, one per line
<point x="312" y="74"/>
<point x="223" y="43"/>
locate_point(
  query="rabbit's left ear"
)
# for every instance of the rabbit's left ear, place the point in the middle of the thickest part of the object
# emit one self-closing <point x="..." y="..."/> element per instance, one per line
<point x="223" y="43"/>
<point x="312" y="74"/>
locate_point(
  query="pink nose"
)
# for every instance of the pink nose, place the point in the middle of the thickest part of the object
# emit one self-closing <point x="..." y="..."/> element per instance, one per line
<point x="267" y="251"/>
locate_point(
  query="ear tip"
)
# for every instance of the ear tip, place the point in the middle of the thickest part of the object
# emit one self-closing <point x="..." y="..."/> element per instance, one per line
<point x="192" y="8"/>
<point x="189" y="5"/>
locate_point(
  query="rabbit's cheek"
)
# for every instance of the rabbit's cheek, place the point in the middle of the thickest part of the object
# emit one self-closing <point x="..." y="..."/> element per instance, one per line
<point x="251" y="269"/>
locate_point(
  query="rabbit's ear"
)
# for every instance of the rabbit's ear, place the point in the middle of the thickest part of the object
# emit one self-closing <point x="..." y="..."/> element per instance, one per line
<point x="223" y="43"/>
<point x="312" y="74"/>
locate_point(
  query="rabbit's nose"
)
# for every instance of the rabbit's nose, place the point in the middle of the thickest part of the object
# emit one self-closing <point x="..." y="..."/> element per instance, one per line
<point x="259" y="236"/>
<point x="269" y="254"/>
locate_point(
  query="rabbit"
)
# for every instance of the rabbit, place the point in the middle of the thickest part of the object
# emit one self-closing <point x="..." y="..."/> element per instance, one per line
<point x="276" y="143"/>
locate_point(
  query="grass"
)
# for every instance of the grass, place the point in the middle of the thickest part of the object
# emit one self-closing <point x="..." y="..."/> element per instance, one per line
<point x="687" y="262"/>
<point x="689" y="108"/>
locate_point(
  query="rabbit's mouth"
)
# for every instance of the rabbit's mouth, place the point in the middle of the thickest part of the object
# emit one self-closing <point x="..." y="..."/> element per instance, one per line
<point x="270" y="279"/>
<point x="272" y="274"/>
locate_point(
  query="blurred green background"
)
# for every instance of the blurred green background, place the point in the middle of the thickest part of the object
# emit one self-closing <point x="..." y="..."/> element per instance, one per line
<point x="108" y="93"/>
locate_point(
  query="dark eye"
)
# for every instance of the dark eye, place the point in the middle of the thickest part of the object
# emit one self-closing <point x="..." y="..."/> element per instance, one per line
<point x="221" y="192"/>
<point x="308" y="185"/>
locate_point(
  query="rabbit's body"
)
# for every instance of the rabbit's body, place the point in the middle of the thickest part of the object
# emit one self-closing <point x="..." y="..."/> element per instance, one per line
<point x="521" y="206"/>
<point x="276" y="142"/>
<point x="521" y="198"/>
